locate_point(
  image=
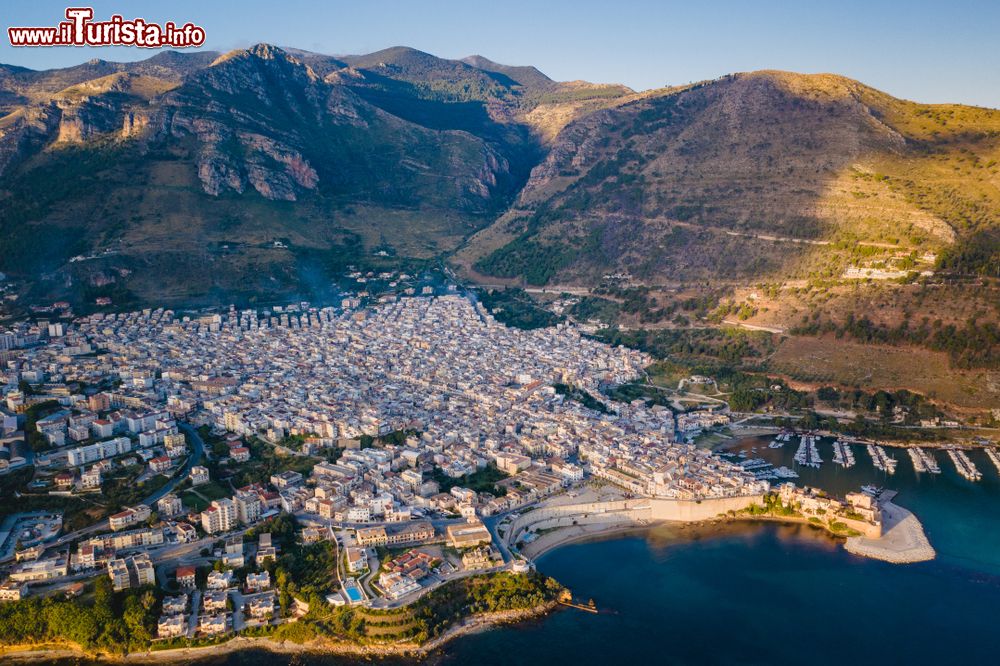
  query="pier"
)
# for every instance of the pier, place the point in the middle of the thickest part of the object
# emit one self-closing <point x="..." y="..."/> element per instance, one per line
<point x="994" y="456"/>
<point x="807" y="454"/>
<point x="964" y="465"/>
<point x="842" y="454"/>
<point x="881" y="459"/>
<point x="923" y="461"/>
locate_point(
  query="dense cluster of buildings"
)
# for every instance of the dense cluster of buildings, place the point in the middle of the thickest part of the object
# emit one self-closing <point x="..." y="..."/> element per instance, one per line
<point x="415" y="393"/>
<point x="473" y="391"/>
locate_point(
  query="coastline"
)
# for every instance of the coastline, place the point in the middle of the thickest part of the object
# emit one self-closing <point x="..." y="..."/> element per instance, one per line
<point x="903" y="541"/>
<point x="470" y="625"/>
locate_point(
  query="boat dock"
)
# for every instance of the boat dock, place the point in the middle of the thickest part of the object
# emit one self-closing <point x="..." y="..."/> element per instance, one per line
<point x="923" y="461"/>
<point x="964" y="465"/>
<point x="994" y="455"/>
<point x="780" y="440"/>
<point x="566" y="599"/>
<point x="842" y="454"/>
<point x="807" y="454"/>
<point x="760" y="468"/>
<point x="881" y="459"/>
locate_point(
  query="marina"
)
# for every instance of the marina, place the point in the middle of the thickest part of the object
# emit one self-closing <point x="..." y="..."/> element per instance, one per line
<point x="843" y="455"/>
<point x="923" y="461"/>
<point x="760" y="461"/>
<point x="964" y="465"/>
<point x="882" y="460"/>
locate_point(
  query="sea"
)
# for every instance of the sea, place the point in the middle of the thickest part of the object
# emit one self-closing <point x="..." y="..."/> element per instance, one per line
<point x="766" y="593"/>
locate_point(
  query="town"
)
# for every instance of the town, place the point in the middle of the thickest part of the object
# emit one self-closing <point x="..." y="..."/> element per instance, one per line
<point x="401" y="434"/>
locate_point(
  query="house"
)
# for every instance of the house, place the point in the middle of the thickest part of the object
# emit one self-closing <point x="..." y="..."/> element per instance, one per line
<point x="91" y="478"/>
<point x="478" y="558"/>
<point x="316" y="534"/>
<point x="171" y="626"/>
<point x="214" y="600"/>
<point x="219" y="580"/>
<point x="129" y="517"/>
<point x="262" y="607"/>
<point x="265" y="553"/>
<point x="213" y="625"/>
<point x="118" y="572"/>
<point x="371" y="536"/>
<point x="410" y="533"/>
<point x="102" y="428"/>
<point x="175" y="605"/>
<point x="258" y="582"/>
<point x="186" y="577"/>
<point x="64" y="480"/>
<point x="240" y="454"/>
<point x="142" y="568"/>
<point x="161" y="464"/>
<point x="199" y="475"/>
<point x="169" y="506"/>
<point x="286" y="479"/>
<point x="13" y="591"/>
<point x="357" y="559"/>
<point x="397" y="585"/>
<point x="185" y="533"/>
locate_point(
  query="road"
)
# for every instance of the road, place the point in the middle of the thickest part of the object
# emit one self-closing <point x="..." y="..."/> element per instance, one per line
<point x="198" y="446"/>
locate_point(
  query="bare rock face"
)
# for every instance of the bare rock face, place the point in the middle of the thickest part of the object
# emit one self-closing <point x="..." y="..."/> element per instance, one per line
<point x="27" y="131"/>
<point x="134" y="123"/>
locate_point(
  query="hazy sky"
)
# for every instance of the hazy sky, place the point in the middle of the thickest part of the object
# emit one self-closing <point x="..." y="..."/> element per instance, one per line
<point x="943" y="51"/>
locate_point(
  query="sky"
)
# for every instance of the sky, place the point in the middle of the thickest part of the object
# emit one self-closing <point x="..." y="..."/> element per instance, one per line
<point x="915" y="49"/>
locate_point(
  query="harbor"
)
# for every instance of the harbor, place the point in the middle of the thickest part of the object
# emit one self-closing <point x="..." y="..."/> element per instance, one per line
<point x="680" y="566"/>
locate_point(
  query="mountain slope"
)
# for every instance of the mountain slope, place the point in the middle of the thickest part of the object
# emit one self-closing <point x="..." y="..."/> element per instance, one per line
<point x="156" y="174"/>
<point x="766" y="175"/>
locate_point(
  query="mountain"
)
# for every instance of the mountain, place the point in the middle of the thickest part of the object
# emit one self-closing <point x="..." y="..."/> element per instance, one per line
<point x="206" y="177"/>
<point x="172" y="178"/>
<point x="757" y="176"/>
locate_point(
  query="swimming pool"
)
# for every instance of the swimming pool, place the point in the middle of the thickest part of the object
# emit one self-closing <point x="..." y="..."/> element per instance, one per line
<point x="353" y="594"/>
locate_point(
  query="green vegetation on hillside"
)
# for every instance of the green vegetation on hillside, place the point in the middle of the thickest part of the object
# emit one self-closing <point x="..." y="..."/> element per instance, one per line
<point x="974" y="345"/>
<point x="117" y="622"/>
<point x="514" y="307"/>
<point x="579" y="395"/>
<point x="431" y="615"/>
<point x="481" y="481"/>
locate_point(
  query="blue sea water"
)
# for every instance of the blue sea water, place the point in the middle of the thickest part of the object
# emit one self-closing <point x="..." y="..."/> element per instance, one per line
<point x="752" y="594"/>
